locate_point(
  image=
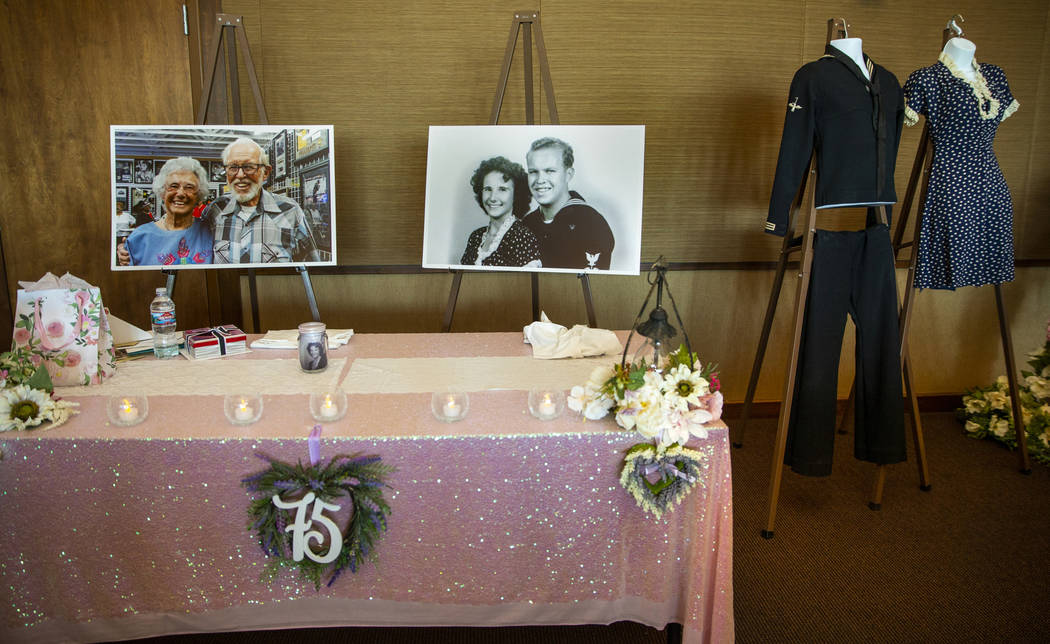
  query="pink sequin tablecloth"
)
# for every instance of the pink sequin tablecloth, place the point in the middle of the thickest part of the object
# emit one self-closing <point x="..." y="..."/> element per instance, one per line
<point x="112" y="533"/>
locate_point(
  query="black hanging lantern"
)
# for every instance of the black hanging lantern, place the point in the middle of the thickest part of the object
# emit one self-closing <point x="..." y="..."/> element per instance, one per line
<point x="657" y="331"/>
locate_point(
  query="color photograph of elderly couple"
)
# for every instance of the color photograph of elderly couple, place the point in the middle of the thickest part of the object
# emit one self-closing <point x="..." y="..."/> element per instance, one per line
<point x="214" y="201"/>
<point x="550" y="198"/>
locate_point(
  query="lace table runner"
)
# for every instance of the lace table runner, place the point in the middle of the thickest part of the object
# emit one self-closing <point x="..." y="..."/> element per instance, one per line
<point x="212" y="377"/>
<point x="421" y="375"/>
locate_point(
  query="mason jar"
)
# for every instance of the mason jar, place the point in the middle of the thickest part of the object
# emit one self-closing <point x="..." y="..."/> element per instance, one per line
<point x="313" y="347"/>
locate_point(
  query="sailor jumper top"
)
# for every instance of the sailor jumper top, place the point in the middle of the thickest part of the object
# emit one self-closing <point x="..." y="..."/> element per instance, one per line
<point x="854" y="125"/>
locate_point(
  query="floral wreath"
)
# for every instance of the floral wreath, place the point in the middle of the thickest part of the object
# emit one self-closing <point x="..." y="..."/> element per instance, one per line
<point x="283" y="491"/>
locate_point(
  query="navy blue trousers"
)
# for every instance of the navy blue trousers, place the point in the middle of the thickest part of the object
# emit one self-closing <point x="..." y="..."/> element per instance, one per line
<point x="852" y="274"/>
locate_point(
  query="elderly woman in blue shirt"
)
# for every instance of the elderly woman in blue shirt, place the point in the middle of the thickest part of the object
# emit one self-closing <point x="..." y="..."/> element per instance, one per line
<point x="177" y="237"/>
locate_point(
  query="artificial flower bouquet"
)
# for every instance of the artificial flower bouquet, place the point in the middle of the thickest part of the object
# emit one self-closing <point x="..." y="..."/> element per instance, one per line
<point x="666" y="403"/>
<point x="986" y="411"/>
<point x="25" y="393"/>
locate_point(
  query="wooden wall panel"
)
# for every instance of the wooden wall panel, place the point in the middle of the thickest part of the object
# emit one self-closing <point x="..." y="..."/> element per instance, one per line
<point x="1032" y="231"/>
<point x="69" y="71"/>
<point x="709" y="81"/>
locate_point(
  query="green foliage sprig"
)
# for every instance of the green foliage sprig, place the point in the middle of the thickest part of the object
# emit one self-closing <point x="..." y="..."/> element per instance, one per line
<point x="357" y="477"/>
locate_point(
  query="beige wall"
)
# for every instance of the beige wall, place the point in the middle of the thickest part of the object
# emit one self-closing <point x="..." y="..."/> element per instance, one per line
<point x="707" y="79"/>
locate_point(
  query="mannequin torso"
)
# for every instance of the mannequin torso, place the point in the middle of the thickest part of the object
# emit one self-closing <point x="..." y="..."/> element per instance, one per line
<point x="852" y="47"/>
<point x="961" y="51"/>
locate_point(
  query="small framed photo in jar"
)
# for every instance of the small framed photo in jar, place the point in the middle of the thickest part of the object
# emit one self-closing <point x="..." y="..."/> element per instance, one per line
<point x="313" y="347"/>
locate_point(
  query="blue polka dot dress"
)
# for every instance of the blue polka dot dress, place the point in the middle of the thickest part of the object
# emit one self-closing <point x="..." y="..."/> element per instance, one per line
<point x="967" y="236"/>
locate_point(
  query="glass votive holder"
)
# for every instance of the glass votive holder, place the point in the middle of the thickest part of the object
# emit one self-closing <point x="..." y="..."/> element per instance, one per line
<point x="546" y="404"/>
<point x="328" y="406"/>
<point x="242" y="409"/>
<point x="127" y="409"/>
<point x="449" y="406"/>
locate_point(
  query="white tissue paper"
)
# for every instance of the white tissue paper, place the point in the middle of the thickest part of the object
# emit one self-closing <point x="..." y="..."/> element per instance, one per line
<point x="289" y="339"/>
<point x="550" y="340"/>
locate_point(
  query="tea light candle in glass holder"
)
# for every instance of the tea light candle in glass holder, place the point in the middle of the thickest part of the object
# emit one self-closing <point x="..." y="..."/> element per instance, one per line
<point x="127" y="409"/>
<point x="449" y="406"/>
<point x="242" y="409"/>
<point x="546" y="404"/>
<point x="328" y="406"/>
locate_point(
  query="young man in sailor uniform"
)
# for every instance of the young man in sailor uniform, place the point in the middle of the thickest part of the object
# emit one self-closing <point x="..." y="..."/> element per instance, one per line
<point x="571" y="233"/>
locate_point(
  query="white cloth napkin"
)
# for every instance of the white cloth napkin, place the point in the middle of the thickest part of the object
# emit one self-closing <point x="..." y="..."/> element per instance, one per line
<point x="289" y="339"/>
<point x="550" y="340"/>
<point x="49" y="281"/>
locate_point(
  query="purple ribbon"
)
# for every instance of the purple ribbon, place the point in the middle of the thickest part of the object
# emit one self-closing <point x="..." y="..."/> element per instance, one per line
<point x="668" y="468"/>
<point x="314" y="444"/>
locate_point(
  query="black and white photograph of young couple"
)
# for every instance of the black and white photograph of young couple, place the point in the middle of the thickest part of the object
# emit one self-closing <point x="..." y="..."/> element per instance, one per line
<point x="553" y="198"/>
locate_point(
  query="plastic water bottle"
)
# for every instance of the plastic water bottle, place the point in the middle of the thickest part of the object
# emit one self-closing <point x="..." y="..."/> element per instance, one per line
<point x="162" y="315"/>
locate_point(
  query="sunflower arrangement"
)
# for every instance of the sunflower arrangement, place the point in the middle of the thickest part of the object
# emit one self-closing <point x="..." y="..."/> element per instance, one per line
<point x="26" y="399"/>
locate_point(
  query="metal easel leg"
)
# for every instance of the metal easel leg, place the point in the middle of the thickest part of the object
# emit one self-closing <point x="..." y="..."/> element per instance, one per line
<point x="535" y="281"/>
<point x="1011" y="378"/>
<point x="170" y="283"/>
<point x="310" y="297"/>
<point x="786" y="249"/>
<point x="253" y="300"/>
<point x="453" y="297"/>
<point x="780" y="443"/>
<point x="585" y="282"/>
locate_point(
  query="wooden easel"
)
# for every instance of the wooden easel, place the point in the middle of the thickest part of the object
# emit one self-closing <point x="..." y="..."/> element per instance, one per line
<point x="236" y="24"/>
<point x="523" y="22"/>
<point x="837" y="28"/>
<point x="921" y="166"/>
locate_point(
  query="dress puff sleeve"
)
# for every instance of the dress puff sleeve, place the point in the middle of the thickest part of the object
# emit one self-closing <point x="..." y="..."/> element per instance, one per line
<point x="996" y="79"/>
<point x="918" y="99"/>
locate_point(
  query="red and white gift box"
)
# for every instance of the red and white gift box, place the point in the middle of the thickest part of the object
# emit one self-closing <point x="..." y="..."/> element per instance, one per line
<point x="215" y="342"/>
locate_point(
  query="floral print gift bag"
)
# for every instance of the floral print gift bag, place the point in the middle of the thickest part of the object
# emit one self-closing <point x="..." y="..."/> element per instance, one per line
<point x="62" y="324"/>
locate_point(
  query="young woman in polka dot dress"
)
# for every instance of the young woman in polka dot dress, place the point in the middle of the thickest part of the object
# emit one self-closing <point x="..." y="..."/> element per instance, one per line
<point x="966" y="237"/>
<point x="501" y="189"/>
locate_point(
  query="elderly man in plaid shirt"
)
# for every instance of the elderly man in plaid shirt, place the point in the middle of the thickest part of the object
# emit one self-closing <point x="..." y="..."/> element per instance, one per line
<point x="253" y="225"/>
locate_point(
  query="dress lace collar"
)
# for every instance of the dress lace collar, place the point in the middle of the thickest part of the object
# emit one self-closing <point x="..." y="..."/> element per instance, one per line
<point x="488" y="245"/>
<point x="987" y="105"/>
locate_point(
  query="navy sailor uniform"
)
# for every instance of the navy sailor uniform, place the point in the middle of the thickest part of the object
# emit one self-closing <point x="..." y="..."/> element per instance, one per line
<point x="853" y="123"/>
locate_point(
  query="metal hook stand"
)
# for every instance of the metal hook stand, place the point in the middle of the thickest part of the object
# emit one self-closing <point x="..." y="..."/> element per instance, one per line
<point x="657" y="323"/>
<point x="523" y="22"/>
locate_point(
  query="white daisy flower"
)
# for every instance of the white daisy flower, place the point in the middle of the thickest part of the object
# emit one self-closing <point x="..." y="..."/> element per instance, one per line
<point x="22" y="407"/>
